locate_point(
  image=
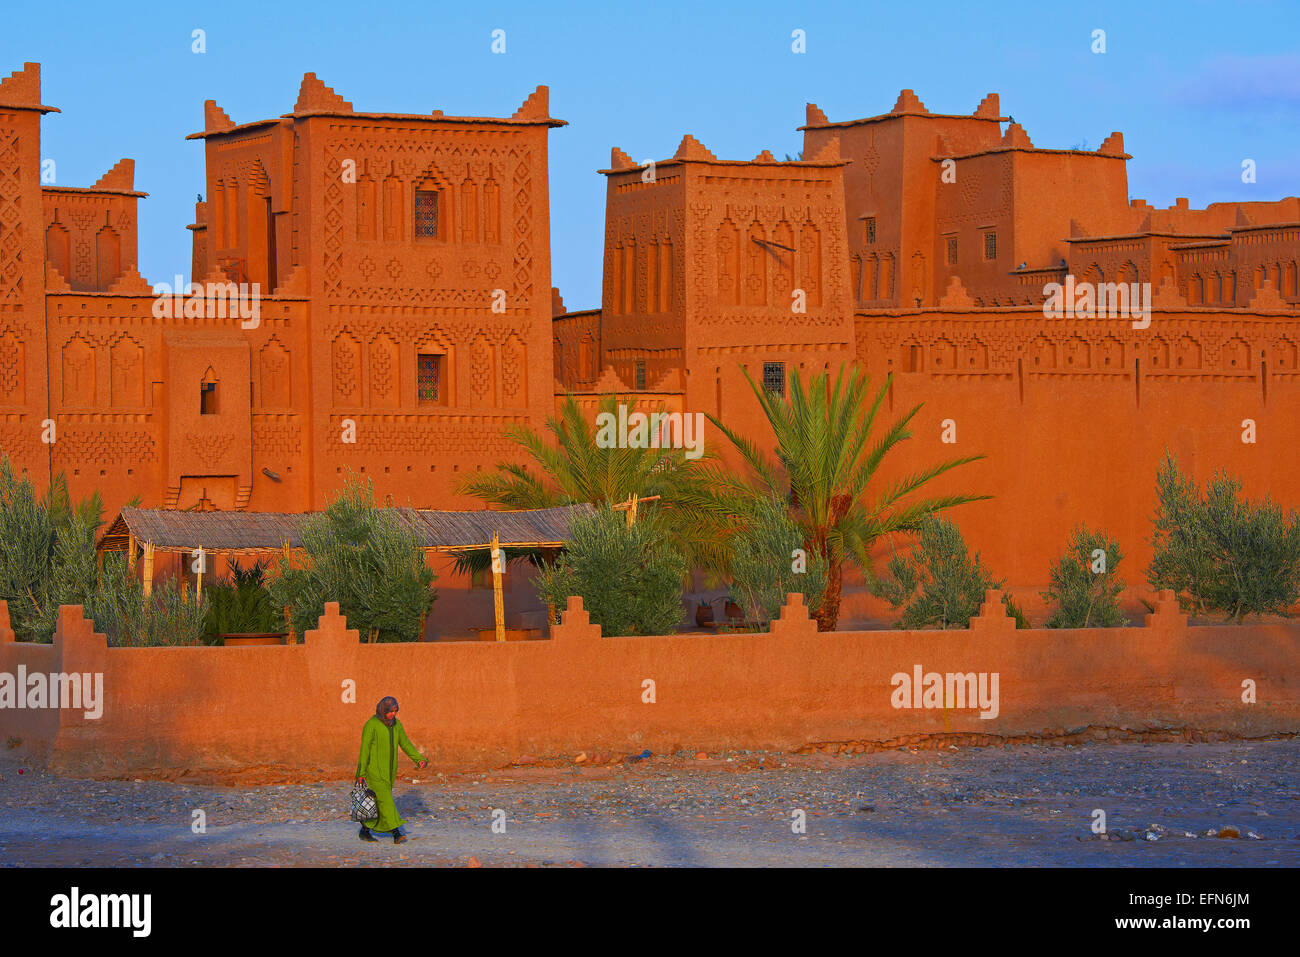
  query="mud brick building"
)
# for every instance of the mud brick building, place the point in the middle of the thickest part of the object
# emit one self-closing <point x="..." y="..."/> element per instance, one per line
<point x="406" y="314"/>
<point x="380" y="243"/>
<point x="946" y="231"/>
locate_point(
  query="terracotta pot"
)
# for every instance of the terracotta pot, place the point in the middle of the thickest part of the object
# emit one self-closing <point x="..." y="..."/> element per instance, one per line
<point x="704" y="614"/>
<point x="512" y="634"/>
<point x="247" y="639"/>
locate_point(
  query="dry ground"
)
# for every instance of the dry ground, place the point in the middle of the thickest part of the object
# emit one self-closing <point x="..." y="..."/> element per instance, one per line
<point x="1013" y="806"/>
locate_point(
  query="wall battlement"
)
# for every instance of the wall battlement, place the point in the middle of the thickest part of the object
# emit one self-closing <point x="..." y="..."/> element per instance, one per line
<point x="193" y="711"/>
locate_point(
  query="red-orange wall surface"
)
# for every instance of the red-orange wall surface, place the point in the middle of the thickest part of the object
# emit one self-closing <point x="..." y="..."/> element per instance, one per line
<point x="176" y="711"/>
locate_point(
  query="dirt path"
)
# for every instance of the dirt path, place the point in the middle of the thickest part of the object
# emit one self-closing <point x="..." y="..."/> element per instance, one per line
<point x="984" y="806"/>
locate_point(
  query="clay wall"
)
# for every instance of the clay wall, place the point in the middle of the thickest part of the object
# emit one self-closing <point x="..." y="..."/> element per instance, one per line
<point x="739" y="286"/>
<point x="1053" y="188"/>
<point x="249" y="201"/>
<point x="643" y="301"/>
<point x="1132" y="258"/>
<point x="91" y="235"/>
<point x="189" y="711"/>
<point x="575" y="349"/>
<point x="1263" y="253"/>
<point x="1074" y="417"/>
<point x="470" y="295"/>
<point x="892" y="179"/>
<point x="126" y="401"/>
<point x="978" y="201"/>
<point x="23" y="387"/>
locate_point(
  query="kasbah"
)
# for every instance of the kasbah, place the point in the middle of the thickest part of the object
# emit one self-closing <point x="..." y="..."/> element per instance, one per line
<point x="403" y="263"/>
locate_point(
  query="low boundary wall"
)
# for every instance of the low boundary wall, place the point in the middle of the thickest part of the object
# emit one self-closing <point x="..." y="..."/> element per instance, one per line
<point x="201" y="710"/>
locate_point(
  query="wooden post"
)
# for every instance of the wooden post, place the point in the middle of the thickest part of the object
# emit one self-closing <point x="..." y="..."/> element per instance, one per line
<point x="130" y="553"/>
<point x="631" y="505"/>
<point x="198" y="584"/>
<point x="498" y="604"/>
<point x="148" y="569"/>
<point x="424" y="615"/>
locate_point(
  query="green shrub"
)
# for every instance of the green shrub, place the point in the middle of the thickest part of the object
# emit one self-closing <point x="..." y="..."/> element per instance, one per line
<point x="1219" y="552"/>
<point x="240" y="603"/>
<point x="49" y="560"/>
<point x="939" y="584"/>
<point x="1085" y="585"/>
<point x="763" y="563"/>
<point x="117" y="605"/>
<point x="362" y="557"/>
<point x="629" y="578"/>
<point x="48" y="553"/>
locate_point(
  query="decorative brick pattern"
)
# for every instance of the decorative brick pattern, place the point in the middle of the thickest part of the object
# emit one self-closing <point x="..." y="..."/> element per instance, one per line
<point x="103" y="446"/>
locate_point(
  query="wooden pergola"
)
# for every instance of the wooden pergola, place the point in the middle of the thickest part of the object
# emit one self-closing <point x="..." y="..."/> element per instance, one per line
<point x="153" y="530"/>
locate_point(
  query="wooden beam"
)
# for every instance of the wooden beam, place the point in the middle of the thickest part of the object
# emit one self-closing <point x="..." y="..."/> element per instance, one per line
<point x="148" y="569"/>
<point x="631" y="504"/>
<point x="498" y="603"/>
<point x="130" y="553"/>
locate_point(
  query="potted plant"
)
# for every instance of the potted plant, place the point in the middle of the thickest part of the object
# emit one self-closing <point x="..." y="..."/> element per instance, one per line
<point x="704" y="613"/>
<point x="240" y="610"/>
<point x="732" y="609"/>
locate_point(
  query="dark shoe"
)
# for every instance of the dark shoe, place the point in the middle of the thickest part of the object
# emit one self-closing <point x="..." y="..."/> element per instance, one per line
<point x="399" y="837"/>
<point x="365" y="835"/>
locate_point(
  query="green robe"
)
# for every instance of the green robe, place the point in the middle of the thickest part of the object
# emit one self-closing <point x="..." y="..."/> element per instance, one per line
<point x="378" y="765"/>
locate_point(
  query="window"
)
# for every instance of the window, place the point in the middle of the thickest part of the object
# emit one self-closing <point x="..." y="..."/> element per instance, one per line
<point x="990" y="245"/>
<point x="208" y="393"/>
<point x="426" y="214"/>
<point x="394" y="227"/>
<point x="913" y="358"/>
<point x="774" y="377"/>
<point x="952" y="251"/>
<point x="869" y="230"/>
<point x="640" y="375"/>
<point x="366" y="208"/>
<point x="429" y="374"/>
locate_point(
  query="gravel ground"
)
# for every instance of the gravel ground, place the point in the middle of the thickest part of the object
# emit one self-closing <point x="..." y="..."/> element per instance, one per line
<point x="1021" y="806"/>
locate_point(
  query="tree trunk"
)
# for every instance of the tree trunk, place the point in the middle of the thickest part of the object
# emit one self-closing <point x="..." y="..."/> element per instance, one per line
<point x="828" y="614"/>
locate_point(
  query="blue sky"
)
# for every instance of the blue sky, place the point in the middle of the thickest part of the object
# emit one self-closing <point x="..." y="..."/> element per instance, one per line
<point x="1196" y="87"/>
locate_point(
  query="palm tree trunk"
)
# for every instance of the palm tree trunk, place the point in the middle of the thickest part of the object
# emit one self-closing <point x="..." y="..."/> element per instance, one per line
<point x="828" y="614"/>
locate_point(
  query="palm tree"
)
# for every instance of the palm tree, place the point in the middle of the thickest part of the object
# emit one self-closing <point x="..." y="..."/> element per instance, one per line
<point x="571" y="467"/>
<point x="826" y="463"/>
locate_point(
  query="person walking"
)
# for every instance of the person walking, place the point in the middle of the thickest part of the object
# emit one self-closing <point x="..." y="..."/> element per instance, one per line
<point x="377" y="768"/>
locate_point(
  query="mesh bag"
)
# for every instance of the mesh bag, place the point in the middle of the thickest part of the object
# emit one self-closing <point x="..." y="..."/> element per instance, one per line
<point x="364" y="805"/>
